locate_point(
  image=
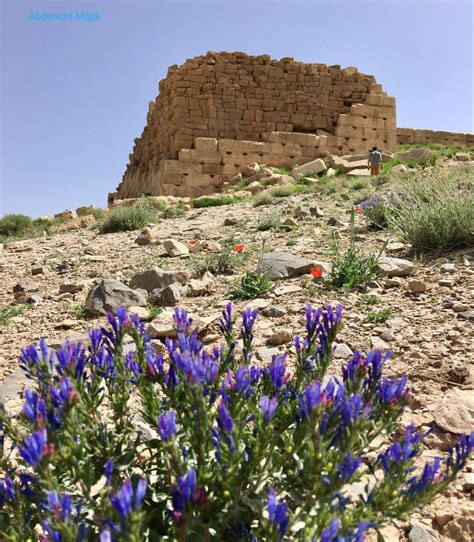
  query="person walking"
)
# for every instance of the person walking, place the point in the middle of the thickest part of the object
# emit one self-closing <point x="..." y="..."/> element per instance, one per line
<point x="375" y="161"/>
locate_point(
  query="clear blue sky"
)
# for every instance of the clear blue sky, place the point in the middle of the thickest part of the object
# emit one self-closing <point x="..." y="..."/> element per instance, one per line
<point x="75" y="94"/>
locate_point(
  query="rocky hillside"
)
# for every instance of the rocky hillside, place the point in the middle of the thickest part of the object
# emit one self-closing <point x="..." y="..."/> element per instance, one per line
<point x="417" y="304"/>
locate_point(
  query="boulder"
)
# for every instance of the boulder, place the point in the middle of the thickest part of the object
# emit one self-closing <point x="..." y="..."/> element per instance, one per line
<point x="167" y="297"/>
<point x="254" y="187"/>
<point x="84" y="211"/>
<point x="146" y="237"/>
<point x="280" y="265"/>
<point x="421" y="156"/>
<point x="25" y="286"/>
<point x="462" y="156"/>
<point x="175" y="248"/>
<point x="454" y="412"/>
<point x="417" y="286"/>
<point x="108" y="294"/>
<point x="66" y="215"/>
<point x="394" y="267"/>
<point x="198" y="287"/>
<point x="315" y="166"/>
<point x="399" y="168"/>
<point x="153" y="279"/>
<point x="359" y="172"/>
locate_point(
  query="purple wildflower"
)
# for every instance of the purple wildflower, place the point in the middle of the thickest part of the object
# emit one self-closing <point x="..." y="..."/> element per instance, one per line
<point x="185" y="490"/>
<point x="460" y="453"/>
<point x="35" y="447"/>
<point x="277" y="371"/>
<point x="34" y="408"/>
<point x="182" y="321"/>
<point x="225" y="421"/>
<point x="7" y="490"/>
<point x="109" y="469"/>
<point x="392" y="391"/>
<point x="123" y="501"/>
<point x="329" y="534"/>
<point x="268" y="407"/>
<point x="277" y="513"/>
<point x="348" y="467"/>
<point x="167" y="425"/>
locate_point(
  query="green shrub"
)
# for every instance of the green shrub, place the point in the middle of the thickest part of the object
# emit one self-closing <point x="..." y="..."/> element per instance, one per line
<point x="271" y="222"/>
<point x="287" y="190"/>
<point x="252" y="286"/>
<point x="176" y="211"/>
<point x="226" y="262"/>
<point x="379" y="317"/>
<point x="7" y="313"/>
<point x="264" y="198"/>
<point x="352" y="269"/>
<point x="215" y="201"/>
<point x="14" y="224"/>
<point x="435" y="210"/>
<point x="127" y="219"/>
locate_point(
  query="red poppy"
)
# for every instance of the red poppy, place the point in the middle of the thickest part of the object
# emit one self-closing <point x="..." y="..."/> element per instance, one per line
<point x="238" y="248"/>
<point x="192" y="242"/>
<point x="316" y="272"/>
<point x="357" y="209"/>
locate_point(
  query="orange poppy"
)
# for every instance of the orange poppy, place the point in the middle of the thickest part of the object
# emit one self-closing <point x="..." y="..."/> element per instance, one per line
<point x="316" y="272"/>
<point x="357" y="209"/>
<point x="238" y="248"/>
<point x="192" y="242"/>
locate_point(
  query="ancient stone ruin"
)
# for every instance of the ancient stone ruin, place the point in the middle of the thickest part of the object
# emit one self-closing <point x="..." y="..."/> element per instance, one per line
<point x="217" y="113"/>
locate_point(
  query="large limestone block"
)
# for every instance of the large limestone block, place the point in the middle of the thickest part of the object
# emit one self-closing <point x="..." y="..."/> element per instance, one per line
<point x="178" y="166"/>
<point x="108" y="294"/>
<point x="206" y="144"/>
<point x="279" y="265"/>
<point x="454" y="412"/>
<point x="226" y="145"/>
<point x="316" y="166"/>
<point x="198" y="155"/>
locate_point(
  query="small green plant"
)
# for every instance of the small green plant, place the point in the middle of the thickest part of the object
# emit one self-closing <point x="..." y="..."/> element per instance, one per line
<point x="264" y="198"/>
<point x="127" y="219"/>
<point x="282" y="170"/>
<point x="154" y="311"/>
<point x="7" y="313"/>
<point x="98" y="213"/>
<point x="287" y="190"/>
<point x="228" y="261"/>
<point x="215" y="201"/>
<point x="154" y="203"/>
<point x="369" y="299"/>
<point x="358" y="184"/>
<point x="14" y="224"/>
<point x="252" y="285"/>
<point x="80" y="311"/>
<point x="379" y="317"/>
<point x="271" y="222"/>
<point x="352" y="269"/>
<point x="175" y="211"/>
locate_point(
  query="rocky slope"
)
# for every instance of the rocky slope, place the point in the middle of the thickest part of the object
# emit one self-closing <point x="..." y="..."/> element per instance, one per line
<point x="428" y="309"/>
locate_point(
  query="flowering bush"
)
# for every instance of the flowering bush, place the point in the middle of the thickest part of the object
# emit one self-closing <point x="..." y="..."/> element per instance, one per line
<point x="117" y="442"/>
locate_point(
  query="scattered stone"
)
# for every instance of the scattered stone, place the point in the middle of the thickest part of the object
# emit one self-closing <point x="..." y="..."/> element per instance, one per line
<point x="330" y="172"/>
<point x="469" y="481"/>
<point x="37" y="270"/>
<point x="266" y="354"/>
<point x="460" y="307"/>
<point x="332" y="221"/>
<point x="175" y="248"/>
<point x="68" y="323"/>
<point x="153" y="279"/>
<point x="392" y="283"/>
<point x="163" y="326"/>
<point x="84" y="211"/>
<point x="342" y="351"/>
<point x="231" y="220"/>
<point x="317" y="212"/>
<point x="420" y="534"/>
<point x="280" y="265"/>
<point x="25" y="286"/>
<point x="236" y="179"/>
<point x="70" y="288"/>
<point x="108" y="294"/>
<point x="379" y="344"/>
<point x="395" y="246"/>
<point x="466" y="315"/>
<point x="274" y="311"/>
<point x="302" y="212"/>
<point x="146" y="237"/>
<point x="399" y="168"/>
<point x="387" y="336"/>
<point x="359" y="172"/>
<point x="32" y="299"/>
<point x="198" y="287"/>
<point x="420" y="155"/>
<point x="211" y="246"/>
<point x="417" y="286"/>
<point x="254" y="187"/>
<point x="167" y="297"/>
<point x="394" y="267"/>
<point x="443" y="517"/>
<point x="288" y="289"/>
<point x="446" y="283"/>
<point x="66" y="215"/>
<point x="78" y="223"/>
<point x="454" y="412"/>
<point x="142" y="312"/>
<point x="462" y="156"/>
<point x="447" y="268"/>
<point x="289" y="223"/>
<point x="315" y="166"/>
<point x="280" y="337"/>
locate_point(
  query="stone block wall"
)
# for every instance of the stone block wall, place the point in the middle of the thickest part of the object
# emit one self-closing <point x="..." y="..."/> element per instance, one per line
<point x="427" y="137"/>
<point x="237" y="97"/>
